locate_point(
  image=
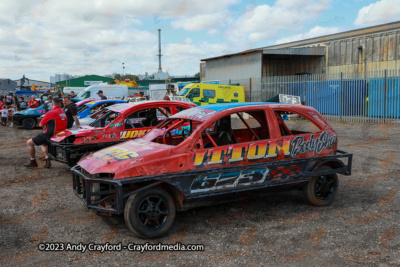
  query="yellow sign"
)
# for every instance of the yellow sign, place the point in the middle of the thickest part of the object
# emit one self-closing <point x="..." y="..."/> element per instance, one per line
<point x="133" y="134"/>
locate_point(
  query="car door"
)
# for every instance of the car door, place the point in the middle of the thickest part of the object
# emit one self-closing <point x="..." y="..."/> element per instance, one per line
<point x="209" y="97"/>
<point x="226" y="148"/>
<point x="306" y="133"/>
<point x="194" y="96"/>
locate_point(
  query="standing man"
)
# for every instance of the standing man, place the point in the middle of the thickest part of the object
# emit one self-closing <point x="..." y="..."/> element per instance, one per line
<point x="72" y="94"/>
<point x="9" y="100"/>
<point x="54" y="121"/>
<point x="101" y="95"/>
<point x="46" y="94"/>
<point x="71" y="112"/>
<point x="22" y="104"/>
<point x="47" y="106"/>
<point x="33" y="103"/>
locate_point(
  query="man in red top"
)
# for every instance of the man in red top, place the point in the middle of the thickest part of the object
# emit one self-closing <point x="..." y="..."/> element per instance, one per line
<point x="53" y="122"/>
<point x="33" y="103"/>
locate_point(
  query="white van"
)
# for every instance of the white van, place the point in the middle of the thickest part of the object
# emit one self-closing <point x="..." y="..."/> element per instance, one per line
<point x="110" y="91"/>
<point x="159" y="90"/>
<point x="77" y="90"/>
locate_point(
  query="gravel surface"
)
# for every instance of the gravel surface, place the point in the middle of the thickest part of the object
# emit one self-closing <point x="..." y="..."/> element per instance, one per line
<point x="360" y="228"/>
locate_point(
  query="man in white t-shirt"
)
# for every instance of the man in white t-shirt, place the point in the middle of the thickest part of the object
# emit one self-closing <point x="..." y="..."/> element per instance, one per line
<point x="4" y="115"/>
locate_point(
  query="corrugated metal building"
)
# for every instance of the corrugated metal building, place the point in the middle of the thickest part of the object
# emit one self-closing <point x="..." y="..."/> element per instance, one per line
<point x="357" y="51"/>
<point x="7" y="85"/>
<point x="40" y="85"/>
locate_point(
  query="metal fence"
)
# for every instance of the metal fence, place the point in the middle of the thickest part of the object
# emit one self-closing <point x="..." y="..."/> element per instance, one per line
<point x="372" y="97"/>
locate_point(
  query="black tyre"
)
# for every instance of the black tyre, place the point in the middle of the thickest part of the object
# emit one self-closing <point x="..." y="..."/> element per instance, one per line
<point x="321" y="190"/>
<point x="29" y="123"/>
<point x="150" y="213"/>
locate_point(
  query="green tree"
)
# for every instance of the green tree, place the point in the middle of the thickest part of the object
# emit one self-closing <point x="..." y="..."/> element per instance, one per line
<point x="117" y="77"/>
<point x="130" y="77"/>
<point x="197" y="75"/>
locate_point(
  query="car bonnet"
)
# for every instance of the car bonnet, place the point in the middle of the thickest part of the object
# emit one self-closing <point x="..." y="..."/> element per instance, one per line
<point x="83" y="130"/>
<point x="124" y="155"/>
<point x="31" y="111"/>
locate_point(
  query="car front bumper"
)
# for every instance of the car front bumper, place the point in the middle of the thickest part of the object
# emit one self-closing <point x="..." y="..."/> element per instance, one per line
<point x="70" y="154"/>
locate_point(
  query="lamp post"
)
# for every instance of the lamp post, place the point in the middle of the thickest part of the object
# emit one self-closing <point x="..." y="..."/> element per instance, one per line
<point x="123" y="69"/>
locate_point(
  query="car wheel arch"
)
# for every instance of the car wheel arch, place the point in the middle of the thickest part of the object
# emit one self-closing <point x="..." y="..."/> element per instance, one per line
<point x="24" y="122"/>
<point x="175" y="193"/>
<point x="331" y="163"/>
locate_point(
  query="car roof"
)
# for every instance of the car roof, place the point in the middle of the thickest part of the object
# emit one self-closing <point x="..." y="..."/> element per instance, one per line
<point x="99" y="101"/>
<point x="127" y="106"/>
<point x="203" y="113"/>
<point x="82" y="102"/>
<point x="225" y="106"/>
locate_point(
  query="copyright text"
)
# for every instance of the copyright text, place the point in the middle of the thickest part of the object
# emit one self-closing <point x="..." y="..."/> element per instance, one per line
<point x="81" y="247"/>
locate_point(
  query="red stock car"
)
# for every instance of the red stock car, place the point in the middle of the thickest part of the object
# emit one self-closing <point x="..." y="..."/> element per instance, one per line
<point x="211" y="154"/>
<point x="114" y="124"/>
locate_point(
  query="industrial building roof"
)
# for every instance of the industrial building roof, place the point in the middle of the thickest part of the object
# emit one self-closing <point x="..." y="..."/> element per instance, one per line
<point x="292" y="47"/>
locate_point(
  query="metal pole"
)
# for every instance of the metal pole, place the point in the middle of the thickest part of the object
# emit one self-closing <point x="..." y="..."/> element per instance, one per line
<point x="397" y="102"/>
<point x="384" y="97"/>
<point x="305" y="92"/>
<point x="340" y="94"/>
<point x="250" y="89"/>
<point x="159" y="51"/>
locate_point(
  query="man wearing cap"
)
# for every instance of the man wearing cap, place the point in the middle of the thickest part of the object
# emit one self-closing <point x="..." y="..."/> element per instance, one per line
<point x="53" y="122"/>
<point x="101" y="95"/>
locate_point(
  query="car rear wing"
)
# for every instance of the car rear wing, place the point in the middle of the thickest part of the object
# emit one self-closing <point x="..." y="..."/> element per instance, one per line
<point x="335" y="162"/>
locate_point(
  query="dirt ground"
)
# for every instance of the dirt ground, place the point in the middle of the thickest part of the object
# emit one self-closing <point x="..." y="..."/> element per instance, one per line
<point x="361" y="227"/>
